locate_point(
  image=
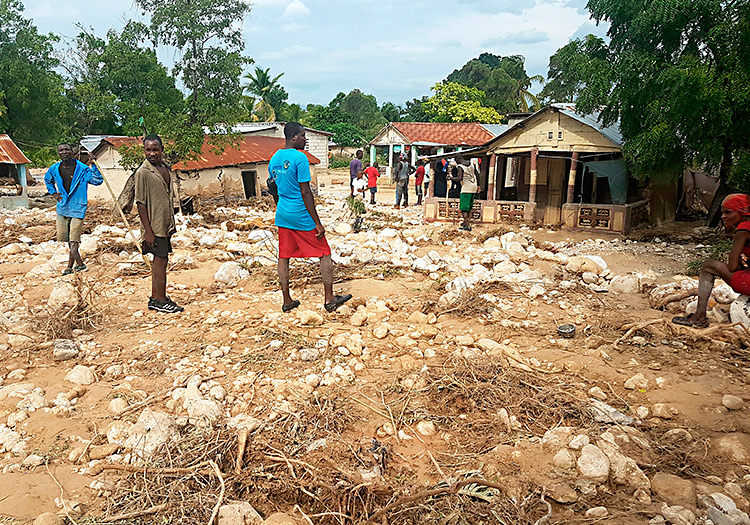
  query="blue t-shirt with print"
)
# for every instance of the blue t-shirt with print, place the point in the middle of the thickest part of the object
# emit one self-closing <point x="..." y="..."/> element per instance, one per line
<point x="290" y="167"/>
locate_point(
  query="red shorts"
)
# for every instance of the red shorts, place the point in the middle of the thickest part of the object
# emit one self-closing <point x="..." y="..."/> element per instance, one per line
<point x="301" y="244"/>
<point x="740" y="282"/>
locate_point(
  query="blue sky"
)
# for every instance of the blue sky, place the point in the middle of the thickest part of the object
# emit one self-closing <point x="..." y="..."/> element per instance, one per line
<point x="395" y="50"/>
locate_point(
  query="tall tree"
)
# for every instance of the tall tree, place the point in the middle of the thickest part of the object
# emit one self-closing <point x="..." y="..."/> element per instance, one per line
<point x="208" y="34"/>
<point x="680" y="83"/>
<point x="454" y="102"/>
<point x="391" y="112"/>
<point x="272" y="95"/>
<point x="32" y="103"/>
<point x="414" y="111"/>
<point x="503" y="79"/>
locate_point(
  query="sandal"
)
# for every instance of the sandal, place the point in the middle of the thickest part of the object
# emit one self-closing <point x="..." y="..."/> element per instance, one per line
<point x="338" y="300"/>
<point x="687" y="321"/>
<point x="289" y="307"/>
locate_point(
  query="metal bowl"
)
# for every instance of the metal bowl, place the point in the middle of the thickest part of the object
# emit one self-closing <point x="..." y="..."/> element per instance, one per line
<point x="567" y="331"/>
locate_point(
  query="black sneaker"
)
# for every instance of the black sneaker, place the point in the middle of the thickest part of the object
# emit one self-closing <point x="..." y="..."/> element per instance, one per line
<point x="338" y="300"/>
<point x="67" y="271"/>
<point x="80" y="268"/>
<point x="167" y="307"/>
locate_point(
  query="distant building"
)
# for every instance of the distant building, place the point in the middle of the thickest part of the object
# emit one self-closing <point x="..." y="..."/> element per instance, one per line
<point x="106" y="151"/>
<point x="557" y="167"/>
<point x="238" y="172"/>
<point x="317" y="141"/>
<point x="416" y="139"/>
<point x="13" y="186"/>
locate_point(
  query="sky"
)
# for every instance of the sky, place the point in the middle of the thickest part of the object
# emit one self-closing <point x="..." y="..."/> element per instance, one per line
<point x="393" y="49"/>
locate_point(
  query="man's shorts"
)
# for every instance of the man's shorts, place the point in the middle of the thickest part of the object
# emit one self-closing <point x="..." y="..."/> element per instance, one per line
<point x="740" y="282"/>
<point x="69" y="229"/>
<point x="161" y="248"/>
<point x="466" y="201"/>
<point x="301" y="244"/>
<point x="374" y="190"/>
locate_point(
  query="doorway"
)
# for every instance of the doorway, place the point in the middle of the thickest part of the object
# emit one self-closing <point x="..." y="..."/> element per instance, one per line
<point x="248" y="183"/>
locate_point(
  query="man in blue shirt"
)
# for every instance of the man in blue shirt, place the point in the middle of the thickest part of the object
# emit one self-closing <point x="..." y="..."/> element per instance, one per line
<point x="301" y="234"/>
<point x="68" y="182"/>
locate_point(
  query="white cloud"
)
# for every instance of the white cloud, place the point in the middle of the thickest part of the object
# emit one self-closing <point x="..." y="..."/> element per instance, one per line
<point x="296" y="8"/>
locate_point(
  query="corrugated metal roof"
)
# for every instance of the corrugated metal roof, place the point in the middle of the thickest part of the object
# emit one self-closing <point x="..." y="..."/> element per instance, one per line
<point x="445" y="133"/>
<point x="495" y="129"/>
<point x="9" y="152"/>
<point x="252" y="149"/>
<point x="610" y="132"/>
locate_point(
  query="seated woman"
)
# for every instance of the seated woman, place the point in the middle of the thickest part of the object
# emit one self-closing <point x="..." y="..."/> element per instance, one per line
<point x="735" y="214"/>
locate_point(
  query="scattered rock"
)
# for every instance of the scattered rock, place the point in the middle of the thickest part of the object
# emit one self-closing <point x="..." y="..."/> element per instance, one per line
<point x="103" y="451"/>
<point x="662" y="411"/>
<point x="732" y="402"/>
<point x="49" y="518"/>
<point x="358" y="318"/>
<point x="308" y="354"/>
<point x="80" y="375"/>
<point x="597" y="393"/>
<point x="677" y="515"/>
<point x="557" y="438"/>
<point x="564" y="459"/>
<point x="562" y="493"/>
<point x="637" y="382"/>
<point x="426" y="428"/>
<point x="118" y="405"/>
<point x="625" y="284"/>
<point x="732" y="448"/>
<point x="32" y="460"/>
<point x="674" y="490"/>
<point x="230" y="272"/>
<point x="593" y="464"/>
<point x="63" y="295"/>
<point x="597" y="512"/>
<point x="239" y="514"/>
<point x="309" y="318"/>
<point x="281" y="518"/>
<point x="65" y="349"/>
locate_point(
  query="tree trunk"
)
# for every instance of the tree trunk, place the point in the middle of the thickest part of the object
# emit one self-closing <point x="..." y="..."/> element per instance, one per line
<point x="714" y="213"/>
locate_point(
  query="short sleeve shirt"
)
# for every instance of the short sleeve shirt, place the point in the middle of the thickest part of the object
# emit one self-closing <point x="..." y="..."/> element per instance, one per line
<point x="290" y="167"/>
<point x="469" y="179"/>
<point x="372" y="176"/>
<point x="355" y="166"/>
<point x="158" y="197"/>
<point x="419" y="176"/>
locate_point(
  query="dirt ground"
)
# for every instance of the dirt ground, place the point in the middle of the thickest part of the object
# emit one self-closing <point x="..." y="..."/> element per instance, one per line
<point x="407" y="405"/>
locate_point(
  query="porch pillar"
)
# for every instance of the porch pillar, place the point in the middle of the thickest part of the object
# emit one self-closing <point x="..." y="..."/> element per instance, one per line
<point x="533" y="177"/>
<point x="389" y="170"/>
<point x="492" y="169"/>
<point x="572" y="177"/>
<point x="373" y="155"/>
<point x="413" y="155"/>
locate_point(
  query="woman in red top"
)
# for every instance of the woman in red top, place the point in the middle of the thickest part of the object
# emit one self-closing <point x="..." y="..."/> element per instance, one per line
<point x="735" y="214"/>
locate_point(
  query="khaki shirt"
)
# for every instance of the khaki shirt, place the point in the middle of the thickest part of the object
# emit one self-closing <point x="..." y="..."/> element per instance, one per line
<point x="469" y="179"/>
<point x="158" y="197"/>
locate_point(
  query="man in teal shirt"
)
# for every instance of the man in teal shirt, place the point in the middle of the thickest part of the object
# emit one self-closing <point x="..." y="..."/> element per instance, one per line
<point x="301" y="234"/>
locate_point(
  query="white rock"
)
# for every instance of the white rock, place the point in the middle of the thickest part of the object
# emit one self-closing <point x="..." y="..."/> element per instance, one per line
<point x="578" y="442"/>
<point x="564" y="459"/>
<point x="724" y="294"/>
<point x="593" y="464"/>
<point x="597" y="393"/>
<point x="739" y="311"/>
<point x="677" y="515"/>
<point x="308" y="354"/>
<point x="426" y="428"/>
<point x="217" y="392"/>
<point x="597" y="512"/>
<point x="239" y="514"/>
<point x="590" y="278"/>
<point x="149" y="433"/>
<point x="230" y="272"/>
<point x="557" y="437"/>
<point x="358" y="318"/>
<point x="637" y="382"/>
<point x="63" y="295"/>
<point x="33" y="460"/>
<point x="380" y="332"/>
<point x="118" y="405"/>
<point x="81" y="375"/>
<point x="203" y="412"/>
<point x="625" y="284"/>
<point x="343" y="228"/>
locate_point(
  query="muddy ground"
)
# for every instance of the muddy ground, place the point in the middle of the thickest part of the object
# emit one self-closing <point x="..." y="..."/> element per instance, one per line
<point x="442" y="393"/>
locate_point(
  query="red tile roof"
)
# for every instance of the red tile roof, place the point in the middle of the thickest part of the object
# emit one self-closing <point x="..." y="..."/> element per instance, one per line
<point x="252" y="148"/>
<point x="118" y="142"/>
<point x="447" y="133"/>
<point x="9" y="152"/>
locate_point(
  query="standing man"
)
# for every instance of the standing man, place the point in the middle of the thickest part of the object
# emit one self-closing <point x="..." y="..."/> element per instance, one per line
<point x="373" y="173"/>
<point x="403" y="170"/>
<point x="440" y="179"/>
<point x="418" y="181"/>
<point x="68" y="182"/>
<point x="154" y="196"/>
<point x="355" y="168"/>
<point x="467" y="174"/>
<point x="301" y="234"/>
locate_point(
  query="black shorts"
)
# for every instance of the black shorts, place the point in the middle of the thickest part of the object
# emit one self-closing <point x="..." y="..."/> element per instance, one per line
<point x="161" y="248"/>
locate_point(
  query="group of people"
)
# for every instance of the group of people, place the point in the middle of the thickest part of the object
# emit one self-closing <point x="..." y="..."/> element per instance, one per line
<point x="363" y="178"/>
<point x="301" y="232"/>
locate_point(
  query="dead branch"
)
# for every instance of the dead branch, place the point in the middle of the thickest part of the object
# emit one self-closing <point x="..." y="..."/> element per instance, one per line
<point x="633" y="329"/>
<point x="659" y="304"/>
<point x="99" y="468"/>
<point x="453" y="489"/>
<point x="136" y="514"/>
<point x="221" y="493"/>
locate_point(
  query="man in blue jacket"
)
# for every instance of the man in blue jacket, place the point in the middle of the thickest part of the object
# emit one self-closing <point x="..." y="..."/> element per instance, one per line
<point x="68" y="182"/>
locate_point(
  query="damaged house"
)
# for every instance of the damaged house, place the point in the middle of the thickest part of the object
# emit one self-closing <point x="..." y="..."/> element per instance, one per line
<point x="13" y="184"/>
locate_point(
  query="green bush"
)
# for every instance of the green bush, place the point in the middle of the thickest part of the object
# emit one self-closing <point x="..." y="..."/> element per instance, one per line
<point x="339" y="161"/>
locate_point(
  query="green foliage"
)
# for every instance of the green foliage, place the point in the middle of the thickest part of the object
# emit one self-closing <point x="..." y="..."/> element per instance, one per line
<point x="347" y="135"/>
<point x="208" y="35"/>
<point x="414" y="111"/>
<point x="339" y="161"/>
<point x="503" y="80"/>
<point x="679" y="81"/>
<point x="267" y="88"/>
<point x="717" y="252"/>
<point x="32" y="102"/>
<point x="453" y="102"/>
<point x="291" y="113"/>
<point x="356" y="206"/>
<point x="579" y="64"/>
<point x="391" y="112"/>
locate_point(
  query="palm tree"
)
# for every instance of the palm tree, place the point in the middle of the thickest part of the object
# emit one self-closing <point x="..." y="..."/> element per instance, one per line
<point x="525" y="99"/>
<point x="261" y="84"/>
